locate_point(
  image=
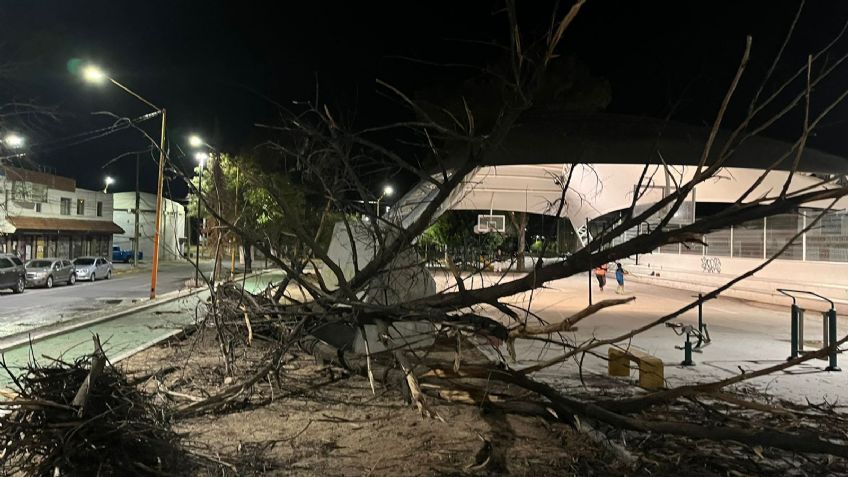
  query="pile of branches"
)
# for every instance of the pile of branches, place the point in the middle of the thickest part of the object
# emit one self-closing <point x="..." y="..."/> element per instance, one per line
<point x="84" y="418"/>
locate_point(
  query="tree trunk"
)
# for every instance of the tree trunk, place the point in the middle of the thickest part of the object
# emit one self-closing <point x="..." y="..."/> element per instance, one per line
<point x="248" y="258"/>
<point x="520" y="224"/>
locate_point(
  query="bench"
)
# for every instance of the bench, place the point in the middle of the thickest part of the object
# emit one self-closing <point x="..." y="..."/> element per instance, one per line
<point x="651" y="370"/>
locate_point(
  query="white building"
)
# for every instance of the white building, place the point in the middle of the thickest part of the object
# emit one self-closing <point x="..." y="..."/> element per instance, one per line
<point x="172" y="238"/>
<point x="43" y="215"/>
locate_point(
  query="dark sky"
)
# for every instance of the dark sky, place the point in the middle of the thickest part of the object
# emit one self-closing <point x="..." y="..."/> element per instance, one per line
<point x="219" y="66"/>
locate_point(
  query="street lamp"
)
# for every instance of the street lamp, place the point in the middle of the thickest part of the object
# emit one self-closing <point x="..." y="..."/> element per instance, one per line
<point x="201" y="158"/>
<point x="14" y="141"/>
<point x="388" y="191"/>
<point x="195" y="141"/>
<point x="93" y="74"/>
<point x="108" y="181"/>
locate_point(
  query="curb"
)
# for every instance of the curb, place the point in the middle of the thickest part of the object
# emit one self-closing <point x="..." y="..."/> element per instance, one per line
<point x="26" y="337"/>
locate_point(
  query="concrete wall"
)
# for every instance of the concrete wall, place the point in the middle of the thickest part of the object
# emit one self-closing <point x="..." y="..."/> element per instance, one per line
<point x="687" y="272"/>
<point x="173" y="224"/>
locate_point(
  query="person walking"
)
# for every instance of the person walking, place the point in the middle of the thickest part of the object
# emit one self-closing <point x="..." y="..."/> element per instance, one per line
<point x="601" y="275"/>
<point x="619" y="277"/>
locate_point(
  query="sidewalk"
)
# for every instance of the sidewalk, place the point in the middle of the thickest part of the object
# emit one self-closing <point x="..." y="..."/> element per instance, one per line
<point x="746" y="335"/>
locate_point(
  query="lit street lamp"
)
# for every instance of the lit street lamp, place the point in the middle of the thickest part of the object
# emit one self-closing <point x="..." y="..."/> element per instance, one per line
<point x="387" y="192"/>
<point x="108" y="181"/>
<point x="14" y="141"/>
<point x="93" y="74"/>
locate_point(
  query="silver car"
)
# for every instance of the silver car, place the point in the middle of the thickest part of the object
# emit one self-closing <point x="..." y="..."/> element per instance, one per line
<point x="92" y="268"/>
<point x="45" y="272"/>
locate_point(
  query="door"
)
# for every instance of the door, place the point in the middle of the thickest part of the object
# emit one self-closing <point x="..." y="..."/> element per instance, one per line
<point x="101" y="267"/>
<point x="8" y="277"/>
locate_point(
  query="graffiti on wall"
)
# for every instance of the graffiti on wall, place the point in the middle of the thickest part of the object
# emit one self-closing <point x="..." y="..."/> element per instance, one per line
<point x="711" y="264"/>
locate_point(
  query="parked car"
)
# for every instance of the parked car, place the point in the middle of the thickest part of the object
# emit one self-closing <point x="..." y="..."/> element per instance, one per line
<point x="90" y="268"/>
<point x="12" y="273"/>
<point x="125" y="256"/>
<point x="45" y="272"/>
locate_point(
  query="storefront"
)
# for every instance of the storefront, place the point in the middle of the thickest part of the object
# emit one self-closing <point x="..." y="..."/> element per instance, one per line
<point x="36" y="237"/>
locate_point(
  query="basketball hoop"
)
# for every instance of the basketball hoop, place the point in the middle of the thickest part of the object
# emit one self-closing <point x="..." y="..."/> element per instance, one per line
<point x="490" y="223"/>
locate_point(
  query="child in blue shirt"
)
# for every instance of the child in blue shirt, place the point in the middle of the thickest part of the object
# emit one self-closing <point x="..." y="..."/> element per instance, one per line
<point x="619" y="277"/>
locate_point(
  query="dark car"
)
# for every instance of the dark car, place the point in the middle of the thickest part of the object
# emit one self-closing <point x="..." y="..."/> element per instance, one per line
<point x="45" y="272"/>
<point x="12" y="273"/>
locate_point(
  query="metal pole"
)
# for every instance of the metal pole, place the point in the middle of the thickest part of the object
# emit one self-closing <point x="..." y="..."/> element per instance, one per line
<point x="378" y="206"/>
<point x="590" y="266"/>
<point x="832" y="339"/>
<point x="199" y="228"/>
<point x="793" y="340"/>
<point x="137" y="201"/>
<point x="232" y="239"/>
<point x="155" y="272"/>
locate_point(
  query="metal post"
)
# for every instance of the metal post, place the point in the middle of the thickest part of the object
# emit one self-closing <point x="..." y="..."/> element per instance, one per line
<point x="590" y="267"/>
<point x="155" y="272"/>
<point x="832" y="339"/>
<point x="136" y="245"/>
<point x="687" y="353"/>
<point x="232" y="239"/>
<point x="199" y="228"/>
<point x="794" y="325"/>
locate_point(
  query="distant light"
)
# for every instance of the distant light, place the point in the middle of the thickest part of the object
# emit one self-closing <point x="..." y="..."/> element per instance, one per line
<point x="14" y="141"/>
<point x="93" y="74"/>
<point x="388" y="191"/>
<point x="195" y="141"/>
<point x="109" y="181"/>
<point x="201" y="157"/>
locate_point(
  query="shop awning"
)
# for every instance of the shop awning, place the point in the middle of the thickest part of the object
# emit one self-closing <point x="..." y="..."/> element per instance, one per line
<point x="48" y="224"/>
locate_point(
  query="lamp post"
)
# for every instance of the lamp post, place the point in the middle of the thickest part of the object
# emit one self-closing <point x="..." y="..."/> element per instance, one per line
<point x="108" y="181"/>
<point x="93" y="74"/>
<point x="201" y="159"/>
<point x="387" y="192"/>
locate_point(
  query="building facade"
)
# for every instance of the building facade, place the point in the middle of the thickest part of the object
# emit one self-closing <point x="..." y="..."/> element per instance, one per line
<point x="44" y="215"/>
<point x="172" y="238"/>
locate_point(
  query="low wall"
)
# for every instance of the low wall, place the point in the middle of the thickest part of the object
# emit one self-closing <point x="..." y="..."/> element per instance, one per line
<point x="701" y="274"/>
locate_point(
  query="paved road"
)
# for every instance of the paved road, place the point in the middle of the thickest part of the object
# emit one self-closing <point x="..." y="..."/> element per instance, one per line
<point x="38" y="306"/>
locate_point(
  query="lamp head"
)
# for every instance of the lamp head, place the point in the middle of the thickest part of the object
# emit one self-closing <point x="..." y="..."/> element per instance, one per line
<point x="93" y="74"/>
<point x="14" y="141"/>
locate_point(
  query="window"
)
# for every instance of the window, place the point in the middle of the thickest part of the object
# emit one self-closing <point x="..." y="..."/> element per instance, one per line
<point x="80" y="207"/>
<point x="5" y="263"/>
<point x="17" y="261"/>
<point x="100" y="209"/>
<point x="38" y="207"/>
<point x="65" y="208"/>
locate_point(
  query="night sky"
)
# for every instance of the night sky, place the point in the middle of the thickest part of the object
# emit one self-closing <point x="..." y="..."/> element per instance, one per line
<point x="220" y="67"/>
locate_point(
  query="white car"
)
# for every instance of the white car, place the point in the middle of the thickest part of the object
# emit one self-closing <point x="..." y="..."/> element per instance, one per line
<point x="92" y="268"/>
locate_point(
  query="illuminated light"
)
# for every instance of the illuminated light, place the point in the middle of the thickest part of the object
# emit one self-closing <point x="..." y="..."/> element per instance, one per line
<point x="93" y="74"/>
<point x="388" y="191"/>
<point x="195" y="141"/>
<point x="14" y="141"/>
<point x="201" y="157"/>
<point x="109" y="181"/>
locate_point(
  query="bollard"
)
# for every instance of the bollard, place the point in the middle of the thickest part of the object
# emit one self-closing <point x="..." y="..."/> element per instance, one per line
<point x="832" y="339"/>
<point x="794" y="331"/>
<point x="687" y="353"/>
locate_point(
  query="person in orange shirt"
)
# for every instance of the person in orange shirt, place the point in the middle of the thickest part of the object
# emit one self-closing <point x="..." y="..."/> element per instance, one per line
<point x="601" y="275"/>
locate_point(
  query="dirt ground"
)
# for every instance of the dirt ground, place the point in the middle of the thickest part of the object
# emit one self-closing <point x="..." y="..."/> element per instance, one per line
<point x="313" y="419"/>
<point x="322" y="422"/>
